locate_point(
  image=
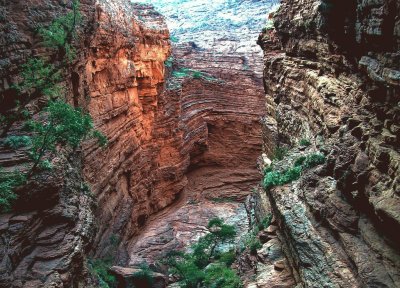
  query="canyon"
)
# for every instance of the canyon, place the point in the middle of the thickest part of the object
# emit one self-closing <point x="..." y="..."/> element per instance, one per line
<point x="193" y="107"/>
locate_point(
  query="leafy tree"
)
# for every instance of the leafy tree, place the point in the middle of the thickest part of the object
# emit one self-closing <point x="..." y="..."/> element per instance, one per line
<point x="60" y="32"/>
<point x="220" y="276"/>
<point x="8" y="183"/>
<point x="40" y="76"/>
<point x="99" y="268"/>
<point x="61" y="124"/>
<point x="15" y="142"/>
<point x="195" y="268"/>
<point x="226" y="257"/>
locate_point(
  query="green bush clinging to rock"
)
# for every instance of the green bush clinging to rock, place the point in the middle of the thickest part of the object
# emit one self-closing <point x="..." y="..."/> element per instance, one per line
<point x="277" y="178"/>
<point x="204" y="266"/>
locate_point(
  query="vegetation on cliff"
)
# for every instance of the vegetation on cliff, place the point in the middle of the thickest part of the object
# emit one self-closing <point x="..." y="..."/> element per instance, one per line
<point x="206" y="265"/>
<point x="274" y="177"/>
<point x="58" y="125"/>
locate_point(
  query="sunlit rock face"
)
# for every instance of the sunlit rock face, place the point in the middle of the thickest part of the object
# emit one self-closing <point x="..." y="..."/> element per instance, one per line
<point x="327" y="67"/>
<point x="215" y="74"/>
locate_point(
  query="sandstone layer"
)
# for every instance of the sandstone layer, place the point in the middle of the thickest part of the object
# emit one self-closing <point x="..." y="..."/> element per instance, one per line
<point x="332" y="68"/>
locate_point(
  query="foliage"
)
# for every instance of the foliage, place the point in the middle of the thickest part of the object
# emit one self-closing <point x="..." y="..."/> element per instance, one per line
<point x="8" y="183"/>
<point x="61" y="30"/>
<point x="189" y="273"/>
<point x="197" y="75"/>
<point x="99" y="268"/>
<point x="169" y="62"/>
<point x="280" y="178"/>
<point x="253" y="243"/>
<point x="39" y="75"/>
<point x="314" y="160"/>
<point x="265" y="222"/>
<point x="15" y="142"/>
<point x="304" y="142"/>
<point x="279" y="153"/>
<point x="181" y="73"/>
<point x="299" y="161"/>
<point x="220" y="276"/>
<point x="174" y="39"/>
<point x="185" y="72"/>
<point x="101" y="138"/>
<point x="226" y="257"/>
<point x="204" y="267"/>
<point x="63" y="125"/>
<point x="276" y="178"/>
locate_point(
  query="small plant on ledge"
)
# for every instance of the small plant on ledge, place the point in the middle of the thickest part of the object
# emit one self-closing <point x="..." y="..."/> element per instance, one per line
<point x="277" y="178"/>
<point x="304" y="142"/>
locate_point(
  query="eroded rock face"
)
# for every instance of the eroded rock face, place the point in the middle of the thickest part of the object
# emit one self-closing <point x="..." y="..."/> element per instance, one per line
<point x="327" y="67"/>
<point x="141" y="170"/>
<point x="220" y="103"/>
<point x="44" y="244"/>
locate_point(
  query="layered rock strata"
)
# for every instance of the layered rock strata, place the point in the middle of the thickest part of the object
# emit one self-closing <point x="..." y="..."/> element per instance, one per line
<point x="44" y="242"/>
<point x="332" y="68"/>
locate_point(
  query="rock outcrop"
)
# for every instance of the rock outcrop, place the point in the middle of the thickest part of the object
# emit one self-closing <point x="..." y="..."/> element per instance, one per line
<point x="332" y="68"/>
<point x="43" y="243"/>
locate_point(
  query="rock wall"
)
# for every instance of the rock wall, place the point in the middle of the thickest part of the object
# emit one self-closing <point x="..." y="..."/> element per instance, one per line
<point x="43" y="242"/>
<point x="332" y="69"/>
<point x="141" y="170"/>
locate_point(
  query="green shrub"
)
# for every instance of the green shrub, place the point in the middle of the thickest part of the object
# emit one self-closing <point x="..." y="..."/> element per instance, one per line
<point x="314" y="160"/>
<point x="191" y="267"/>
<point x="15" y="142"/>
<point x="190" y="274"/>
<point x="265" y="222"/>
<point x="100" y="269"/>
<point x="299" y="161"/>
<point x="169" y="62"/>
<point x="39" y="75"/>
<point x="101" y="138"/>
<point x="253" y="243"/>
<point x="220" y="276"/>
<point x="275" y="178"/>
<point x="181" y="73"/>
<point x="197" y="75"/>
<point x="8" y="183"/>
<point x="173" y="39"/>
<point x="62" y="124"/>
<point x="281" y="178"/>
<point x="227" y="257"/>
<point x="279" y="153"/>
<point x="304" y="142"/>
<point x="60" y="32"/>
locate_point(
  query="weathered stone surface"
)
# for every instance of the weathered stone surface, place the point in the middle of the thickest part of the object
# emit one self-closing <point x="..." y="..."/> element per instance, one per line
<point x="331" y="69"/>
